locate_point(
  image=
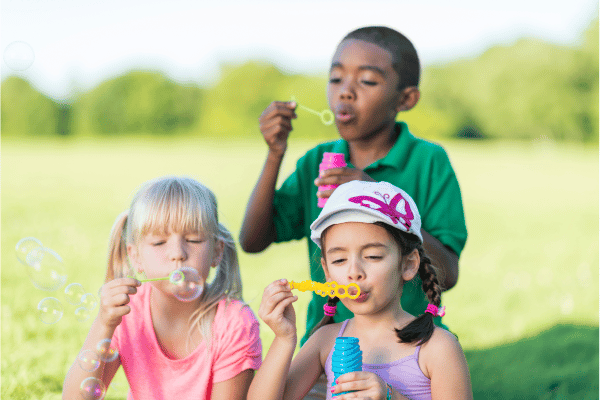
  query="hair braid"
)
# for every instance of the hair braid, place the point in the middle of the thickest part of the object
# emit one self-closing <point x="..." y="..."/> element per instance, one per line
<point x="428" y="274"/>
<point x="331" y="301"/>
<point x="422" y="327"/>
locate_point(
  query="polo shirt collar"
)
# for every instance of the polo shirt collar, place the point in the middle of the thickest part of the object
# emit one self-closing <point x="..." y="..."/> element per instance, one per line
<point x="397" y="152"/>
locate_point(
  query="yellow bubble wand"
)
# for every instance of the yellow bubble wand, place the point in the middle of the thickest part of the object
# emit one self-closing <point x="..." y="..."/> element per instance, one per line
<point x="331" y="289"/>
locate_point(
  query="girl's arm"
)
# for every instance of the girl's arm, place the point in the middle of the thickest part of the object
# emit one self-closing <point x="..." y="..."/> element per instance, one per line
<point x="447" y="367"/>
<point x="275" y="379"/>
<point x="114" y="297"/>
<point x="269" y="382"/>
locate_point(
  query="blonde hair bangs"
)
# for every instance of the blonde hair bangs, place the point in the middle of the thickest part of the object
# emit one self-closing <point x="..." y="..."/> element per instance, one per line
<point x="178" y="204"/>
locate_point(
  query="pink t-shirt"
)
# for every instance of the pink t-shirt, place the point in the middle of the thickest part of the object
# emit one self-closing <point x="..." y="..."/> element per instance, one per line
<point x="152" y="375"/>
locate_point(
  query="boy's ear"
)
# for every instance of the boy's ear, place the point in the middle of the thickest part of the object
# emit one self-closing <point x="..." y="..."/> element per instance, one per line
<point x="410" y="265"/>
<point x="134" y="258"/>
<point x="218" y="256"/>
<point x="409" y="97"/>
<point x="324" y="265"/>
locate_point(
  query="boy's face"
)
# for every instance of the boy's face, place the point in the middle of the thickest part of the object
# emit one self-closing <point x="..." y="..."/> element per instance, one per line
<point x="363" y="90"/>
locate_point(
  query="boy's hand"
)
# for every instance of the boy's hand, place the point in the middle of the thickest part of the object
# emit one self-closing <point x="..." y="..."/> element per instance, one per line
<point x="362" y="385"/>
<point x="276" y="309"/>
<point x="276" y="124"/>
<point x="114" y="296"/>
<point x="337" y="176"/>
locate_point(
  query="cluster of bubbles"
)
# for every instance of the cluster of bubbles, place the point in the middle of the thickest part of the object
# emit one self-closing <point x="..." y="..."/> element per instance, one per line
<point x="90" y="360"/>
<point x="19" y="56"/>
<point x="186" y="284"/>
<point x="46" y="270"/>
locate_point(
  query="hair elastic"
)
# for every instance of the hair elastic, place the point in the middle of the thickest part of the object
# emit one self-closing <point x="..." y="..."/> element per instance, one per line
<point x="437" y="312"/>
<point x="329" y="310"/>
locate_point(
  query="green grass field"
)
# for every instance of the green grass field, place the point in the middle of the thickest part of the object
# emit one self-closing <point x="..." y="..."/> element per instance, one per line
<point x="525" y="308"/>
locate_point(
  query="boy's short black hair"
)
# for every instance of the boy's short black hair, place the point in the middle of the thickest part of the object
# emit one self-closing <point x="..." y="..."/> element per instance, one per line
<point x="405" y="60"/>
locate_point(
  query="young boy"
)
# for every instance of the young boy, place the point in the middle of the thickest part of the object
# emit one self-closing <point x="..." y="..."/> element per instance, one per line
<point x="374" y="75"/>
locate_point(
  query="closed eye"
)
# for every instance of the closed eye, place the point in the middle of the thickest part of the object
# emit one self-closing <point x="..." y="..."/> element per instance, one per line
<point x="369" y="83"/>
<point x="334" y="80"/>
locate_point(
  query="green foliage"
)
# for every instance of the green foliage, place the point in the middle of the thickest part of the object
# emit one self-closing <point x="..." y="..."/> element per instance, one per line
<point x="527" y="90"/>
<point x="25" y="111"/>
<point x="138" y="102"/>
<point x="236" y="102"/>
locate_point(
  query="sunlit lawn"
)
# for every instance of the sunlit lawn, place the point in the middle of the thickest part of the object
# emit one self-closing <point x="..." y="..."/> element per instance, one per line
<point x="531" y="260"/>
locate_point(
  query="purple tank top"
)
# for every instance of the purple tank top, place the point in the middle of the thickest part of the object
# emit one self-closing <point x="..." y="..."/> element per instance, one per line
<point x="404" y="375"/>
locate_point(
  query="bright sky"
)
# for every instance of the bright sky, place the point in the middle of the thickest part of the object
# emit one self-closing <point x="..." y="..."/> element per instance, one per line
<point x="78" y="44"/>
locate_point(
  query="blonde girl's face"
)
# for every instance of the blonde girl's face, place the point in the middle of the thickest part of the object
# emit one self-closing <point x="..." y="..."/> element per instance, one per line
<point x="366" y="254"/>
<point x="160" y="253"/>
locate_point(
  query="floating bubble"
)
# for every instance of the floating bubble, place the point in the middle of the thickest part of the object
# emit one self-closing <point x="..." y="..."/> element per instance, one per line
<point x="26" y="246"/>
<point x="186" y="284"/>
<point x="50" y="310"/>
<point x="46" y="269"/>
<point x="82" y="314"/>
<point x="105" y="352"/>
<point x="92" y="389"/>
<point x="88" y="360"/>
<point x="73" y="293"/>
<point x="89" y="301"/>
<point x="19" y="56"/>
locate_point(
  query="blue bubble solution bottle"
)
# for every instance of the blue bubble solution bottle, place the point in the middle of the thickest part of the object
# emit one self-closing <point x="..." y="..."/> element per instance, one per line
<point x="346" y="357"/>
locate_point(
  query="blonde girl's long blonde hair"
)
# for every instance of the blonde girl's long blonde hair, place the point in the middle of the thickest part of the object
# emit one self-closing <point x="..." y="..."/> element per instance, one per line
<point x="180" y="204"/>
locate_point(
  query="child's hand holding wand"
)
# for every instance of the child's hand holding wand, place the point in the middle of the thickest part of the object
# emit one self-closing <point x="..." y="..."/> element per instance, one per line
<point x="277" y="311"/>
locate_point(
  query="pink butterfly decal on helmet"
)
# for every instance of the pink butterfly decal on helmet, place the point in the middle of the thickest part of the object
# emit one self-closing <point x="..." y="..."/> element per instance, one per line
<point x="387" y="209"/>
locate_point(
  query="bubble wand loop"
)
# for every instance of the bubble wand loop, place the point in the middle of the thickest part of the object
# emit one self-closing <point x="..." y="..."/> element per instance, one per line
<point x="331" y="289"/>
<point x="325" y="115"/>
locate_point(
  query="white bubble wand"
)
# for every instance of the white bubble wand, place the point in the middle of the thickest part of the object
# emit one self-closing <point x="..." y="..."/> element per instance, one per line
<point x="325" y="115"/>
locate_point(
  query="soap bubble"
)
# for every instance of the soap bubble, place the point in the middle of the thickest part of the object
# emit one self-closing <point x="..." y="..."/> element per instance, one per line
<point x="46" y="269"/>
<point x="88" y="360"/>
<point x="19" y="56"/>
<point x="25" y="247"/>
<point x="73" y="293"/>
<point x="50" y="310"/>
<point x="92" y="389"/>
<point x="82" y="314"/>
<point x="186" y="284"/>
<point x="105" y="352"/>
<point x="89" y="301"/>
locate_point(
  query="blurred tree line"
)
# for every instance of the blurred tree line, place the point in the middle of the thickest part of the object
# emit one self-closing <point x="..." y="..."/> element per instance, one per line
<point x="530" y="89"/>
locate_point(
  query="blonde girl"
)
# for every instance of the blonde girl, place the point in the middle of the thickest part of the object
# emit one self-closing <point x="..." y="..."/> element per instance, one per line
<point x="205" y="348"/>
<point x="369" y="234"/>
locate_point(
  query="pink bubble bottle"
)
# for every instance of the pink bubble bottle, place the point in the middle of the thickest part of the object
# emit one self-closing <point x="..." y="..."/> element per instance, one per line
<point x="330" y="160"/>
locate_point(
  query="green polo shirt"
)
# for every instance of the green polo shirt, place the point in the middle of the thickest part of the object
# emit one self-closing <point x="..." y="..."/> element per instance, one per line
<point x="420" y="168"/>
